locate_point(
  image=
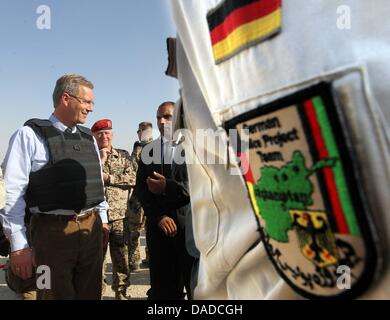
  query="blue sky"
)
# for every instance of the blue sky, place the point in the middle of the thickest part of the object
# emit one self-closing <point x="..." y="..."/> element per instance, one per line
<point x="120" y="45"/>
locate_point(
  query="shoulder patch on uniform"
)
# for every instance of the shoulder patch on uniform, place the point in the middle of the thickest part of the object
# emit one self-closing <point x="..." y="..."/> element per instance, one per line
<point x="236" y="25"/>
<point x="304" y="188"/>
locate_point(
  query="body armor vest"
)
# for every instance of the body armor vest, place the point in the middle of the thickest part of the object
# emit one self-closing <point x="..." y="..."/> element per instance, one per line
<point x="71" y="179"/>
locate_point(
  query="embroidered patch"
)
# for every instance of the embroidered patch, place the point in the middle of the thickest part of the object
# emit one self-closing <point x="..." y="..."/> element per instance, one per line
<point x="238" y="24"/>
<point x="304" y="189"/>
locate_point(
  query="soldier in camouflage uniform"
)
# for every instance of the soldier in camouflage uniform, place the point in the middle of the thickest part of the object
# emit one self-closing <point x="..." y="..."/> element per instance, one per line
<point x="137" y="218"/>
<point x="119" y="180"/>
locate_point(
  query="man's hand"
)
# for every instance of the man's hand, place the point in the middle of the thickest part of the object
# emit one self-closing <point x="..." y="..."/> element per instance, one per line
<point x="106" y="178"/>
<point x="106" y="233"/>
<point x="22" y="263"/>
<point x="104" y="154"/>
<point x="168" y="225"/>
<point x="157" y="185"/>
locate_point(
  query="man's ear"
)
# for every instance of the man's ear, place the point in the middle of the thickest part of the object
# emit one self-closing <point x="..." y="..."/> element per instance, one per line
<point x="65" y="99"/>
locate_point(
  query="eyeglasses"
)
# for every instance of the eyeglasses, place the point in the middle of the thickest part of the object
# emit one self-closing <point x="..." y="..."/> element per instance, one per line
<point x="81" y="100"/>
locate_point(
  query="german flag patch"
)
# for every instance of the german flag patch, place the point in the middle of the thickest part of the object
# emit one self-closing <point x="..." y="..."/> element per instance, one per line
<point x="305" y="190"/>
<point x="238" y="24"/>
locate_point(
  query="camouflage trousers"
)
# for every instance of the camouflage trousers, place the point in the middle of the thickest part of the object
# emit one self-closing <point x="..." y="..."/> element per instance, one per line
<point x="137" y="223"/>
<point x="119" y="240"/>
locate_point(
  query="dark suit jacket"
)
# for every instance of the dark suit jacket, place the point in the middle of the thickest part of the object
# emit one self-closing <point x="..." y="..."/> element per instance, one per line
<point x="177" y="196"/>
<point x="157" y="205"/>
<point x="176" y="199"/>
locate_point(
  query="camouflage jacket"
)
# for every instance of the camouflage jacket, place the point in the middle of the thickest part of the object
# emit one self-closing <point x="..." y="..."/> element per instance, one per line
<point x="122" y="180"/>
<point x="134" y="204"/>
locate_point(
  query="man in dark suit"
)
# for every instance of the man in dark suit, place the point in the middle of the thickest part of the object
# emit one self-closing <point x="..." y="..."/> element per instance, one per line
<point x="177" y="197"/>
<point x="164" y="238"/>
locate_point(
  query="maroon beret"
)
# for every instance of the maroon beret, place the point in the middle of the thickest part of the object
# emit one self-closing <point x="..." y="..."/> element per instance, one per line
<point x="104" y="124"/>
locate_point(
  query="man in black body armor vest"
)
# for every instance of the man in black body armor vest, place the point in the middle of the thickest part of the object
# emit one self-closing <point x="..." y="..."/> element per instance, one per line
<point x="52" y="167"/>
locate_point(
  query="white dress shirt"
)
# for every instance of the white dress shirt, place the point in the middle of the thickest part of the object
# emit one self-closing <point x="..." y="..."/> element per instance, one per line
<point x="27" y="153"/>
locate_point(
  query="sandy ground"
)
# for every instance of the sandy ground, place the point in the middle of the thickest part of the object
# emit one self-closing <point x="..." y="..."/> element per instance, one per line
<point x="139" y="281"/>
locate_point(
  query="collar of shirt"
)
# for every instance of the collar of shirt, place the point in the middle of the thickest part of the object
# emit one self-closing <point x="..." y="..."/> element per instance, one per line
<point x="59" y="125"/>
<point x="167" y="150"/>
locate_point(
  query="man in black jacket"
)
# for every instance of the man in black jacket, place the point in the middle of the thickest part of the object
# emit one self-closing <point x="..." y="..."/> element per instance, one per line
<point x="165" y="238"/>
<point x="177" y="197"/>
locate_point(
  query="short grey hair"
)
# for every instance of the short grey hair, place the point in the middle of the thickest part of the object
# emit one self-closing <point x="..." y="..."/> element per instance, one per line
<point x="145" y="125"/>
<point x="69" y="83"/>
